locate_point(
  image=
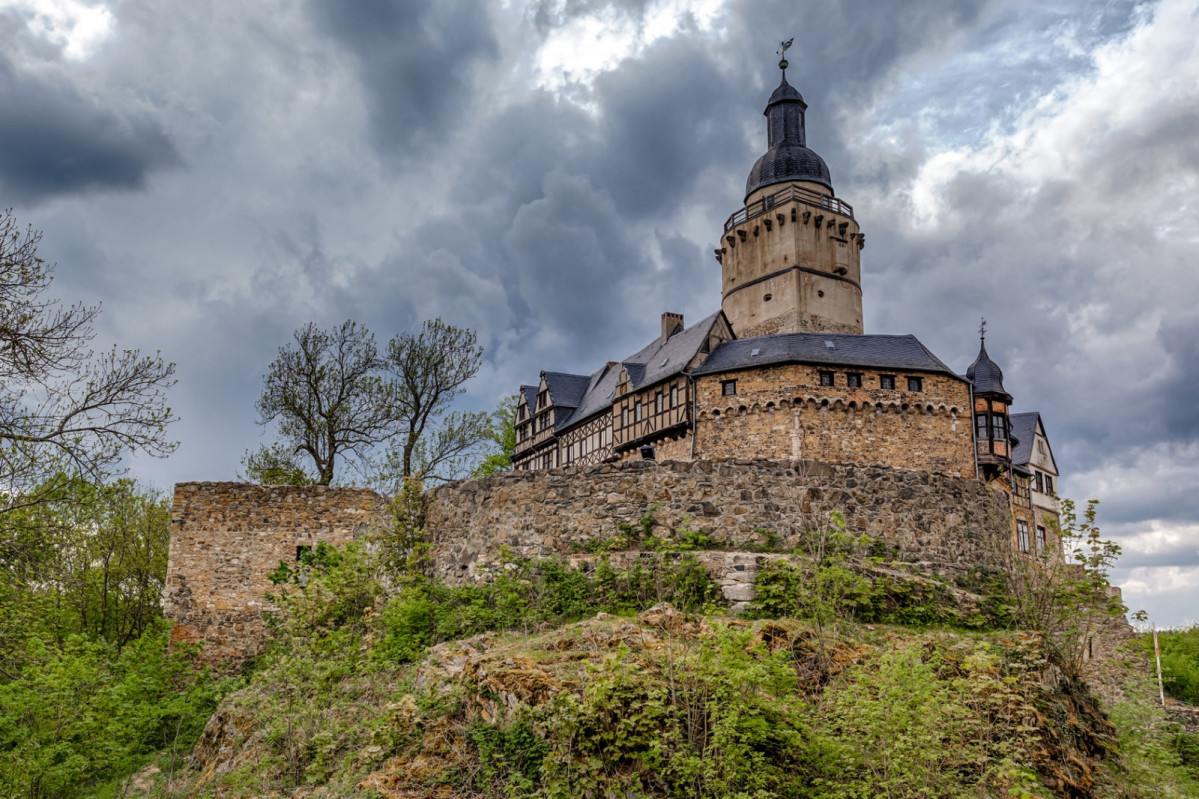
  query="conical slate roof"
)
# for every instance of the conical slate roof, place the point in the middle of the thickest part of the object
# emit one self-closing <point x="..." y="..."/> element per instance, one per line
<point x="985" y="374"/>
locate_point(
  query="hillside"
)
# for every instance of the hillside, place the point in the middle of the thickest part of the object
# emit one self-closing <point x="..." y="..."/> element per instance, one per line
<point x="364" y="692"/>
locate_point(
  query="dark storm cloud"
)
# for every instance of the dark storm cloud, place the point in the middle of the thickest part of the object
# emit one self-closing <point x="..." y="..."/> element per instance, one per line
<point x="1177" y="394"/>
<point x="416" y="59"/>
<point x="54" y="140"/>
<point x="662" y="123"/>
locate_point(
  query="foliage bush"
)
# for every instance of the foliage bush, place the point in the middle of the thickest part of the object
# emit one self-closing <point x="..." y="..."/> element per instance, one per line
<point x="531" y="595"/>
<point x="84" y="713"/>
<point x="1180" y="662"/>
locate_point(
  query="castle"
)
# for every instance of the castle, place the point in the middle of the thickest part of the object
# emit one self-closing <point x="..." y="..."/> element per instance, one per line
<point x="784" y="371"/>
<point x="761" y="419"/>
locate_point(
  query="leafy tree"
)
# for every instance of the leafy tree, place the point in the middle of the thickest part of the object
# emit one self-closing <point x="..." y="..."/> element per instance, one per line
<point x="95" y="564"/>
<point x="64" y="409"/>
<point x="501" y="438"/>
<point x="324" y="394"/>
<point x="333" y="395"/>
<point x="429" y="369"/>
<point x="275" y="464"/>
<point x="1064" y="591"/>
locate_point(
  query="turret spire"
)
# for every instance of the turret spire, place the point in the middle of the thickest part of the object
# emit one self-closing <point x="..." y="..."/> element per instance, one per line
<point x="787" y="156"/>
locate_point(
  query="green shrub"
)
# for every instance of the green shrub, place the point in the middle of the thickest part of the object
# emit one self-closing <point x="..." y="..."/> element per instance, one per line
<point x="533" y="594"/>
<point x="81" y="713"/>
<point x="1180" y="662"/>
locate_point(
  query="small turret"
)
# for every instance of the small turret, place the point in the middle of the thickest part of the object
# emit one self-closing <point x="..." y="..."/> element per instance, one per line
<point x="992" y="407"/>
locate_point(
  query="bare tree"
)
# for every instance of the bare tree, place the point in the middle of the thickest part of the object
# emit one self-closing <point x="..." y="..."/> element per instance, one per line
<point x="429" y="370"/>
<point x="325" y="396"/>
<point x="64" y="409"/>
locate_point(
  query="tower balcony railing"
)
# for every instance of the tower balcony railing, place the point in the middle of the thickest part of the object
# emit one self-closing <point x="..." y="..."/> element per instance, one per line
<point x="793" y="192"/>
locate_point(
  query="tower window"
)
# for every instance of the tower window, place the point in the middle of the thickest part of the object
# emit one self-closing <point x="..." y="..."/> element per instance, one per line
<point x="915" y="384"/>
<point x="728" y="388"/>
<point x="826" y="378"/>
<point x="853" y="380"/>
<point x="886" y="381"/>
<point x="980" y="426"/>
<point x="998" y="427"/>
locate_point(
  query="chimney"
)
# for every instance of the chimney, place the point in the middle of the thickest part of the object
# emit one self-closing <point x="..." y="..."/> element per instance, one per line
<point x="671" y="322"/>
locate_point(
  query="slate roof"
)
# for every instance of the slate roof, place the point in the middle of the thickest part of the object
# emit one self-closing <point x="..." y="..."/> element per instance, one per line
<point x="986" y="374"/>
<point x="1024" y="430"/>
<point x="788" y="158"/>
<point x="651" y="364"/>
<point x="566" y="390"/>
<point x="878" y="352"/>
<point x="530" y="394"/>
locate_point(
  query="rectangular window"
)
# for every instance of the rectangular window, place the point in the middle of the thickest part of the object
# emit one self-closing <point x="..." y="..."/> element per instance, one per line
<point x="980" y="426"/>
<point x="570" y="453"/>
<point x="1040" y="540"/>
<point x="1048" y="484"/>
<point x="886" y="381"/>
<point x="1022" y="535"/>
<point x="624" y="416"/>
<point x="637" y="411"/>
<point x="826" y="378"/>
<point x="915" y="384"/>
<point x="998" y="427"/>
<point x="658" y="399"/>
<point x="728" y="388"/>
<point x="1040" y="478"/>
<point x="674" y="396"/>
<point x="853" y="380"/>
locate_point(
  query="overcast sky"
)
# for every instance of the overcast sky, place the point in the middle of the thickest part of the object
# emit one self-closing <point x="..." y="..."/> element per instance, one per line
<point x="555" y="174"/>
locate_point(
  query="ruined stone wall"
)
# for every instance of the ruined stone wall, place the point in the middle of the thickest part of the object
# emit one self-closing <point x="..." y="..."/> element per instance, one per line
<point x="227" y="537"/>
<point x="787" y="414"/>
<point x="951" y="524"/>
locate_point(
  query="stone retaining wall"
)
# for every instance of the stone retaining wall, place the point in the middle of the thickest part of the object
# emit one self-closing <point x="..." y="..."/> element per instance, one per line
<point x="950" y="524"/>
<point x="227" y="537"/>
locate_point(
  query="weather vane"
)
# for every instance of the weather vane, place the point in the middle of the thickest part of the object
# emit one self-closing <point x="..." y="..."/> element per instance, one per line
<point x="982" y="329"/>
<point x="782" y="51"/>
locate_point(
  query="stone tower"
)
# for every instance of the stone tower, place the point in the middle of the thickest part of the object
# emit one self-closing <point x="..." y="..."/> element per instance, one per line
<point x="992" y="410"/>
<point x="790" y="259"/>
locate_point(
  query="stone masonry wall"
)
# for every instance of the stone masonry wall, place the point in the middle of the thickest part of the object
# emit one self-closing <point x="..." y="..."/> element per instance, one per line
<point x="227" y="537"/>
<point x="786" y="413"/>
<point x="951" y="524"/>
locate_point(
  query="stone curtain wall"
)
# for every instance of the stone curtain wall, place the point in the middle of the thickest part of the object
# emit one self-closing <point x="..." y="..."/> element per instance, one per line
<point x="952" y="524"/>
<point x="227" y="537"/>
<point x="785" y="412"/>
